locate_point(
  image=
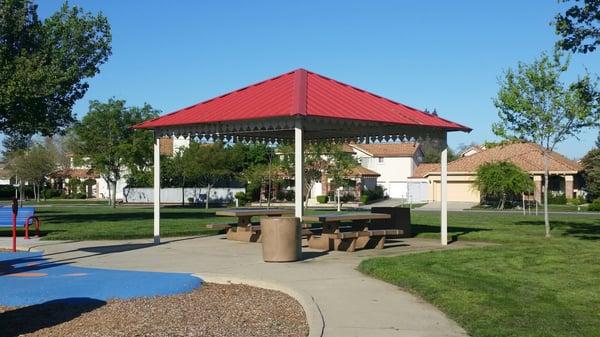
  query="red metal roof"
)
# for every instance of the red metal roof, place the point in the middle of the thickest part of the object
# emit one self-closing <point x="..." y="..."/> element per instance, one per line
<point x="305" y="93"/>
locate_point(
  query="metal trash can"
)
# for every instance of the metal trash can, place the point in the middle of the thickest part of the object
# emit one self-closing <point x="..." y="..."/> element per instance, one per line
<point x="281" y="239"/>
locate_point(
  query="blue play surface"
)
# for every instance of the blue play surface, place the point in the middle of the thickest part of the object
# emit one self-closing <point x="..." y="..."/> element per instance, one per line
<point x="28" y="279"/>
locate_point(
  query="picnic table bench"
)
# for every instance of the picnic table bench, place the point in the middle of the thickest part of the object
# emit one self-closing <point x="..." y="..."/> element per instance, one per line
<point x="25" y="217"/>
<point x="359" y="236"/>
<point x="243" y="229"/>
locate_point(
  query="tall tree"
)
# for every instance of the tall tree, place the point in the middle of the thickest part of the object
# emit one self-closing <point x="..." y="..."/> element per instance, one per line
<point x="14" y="142"/>
<point x="502" y="180"/>
<point x="106" y="141"/>
<point x="591" y="172"/>
<point x="536" y="106"/>
<point x="208" y="164"/>
<point x="579" y="26"/>
<point x="44" y="64"/>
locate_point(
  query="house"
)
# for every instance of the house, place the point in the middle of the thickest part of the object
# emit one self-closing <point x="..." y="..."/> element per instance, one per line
<point x="6" y="177"/>
<point x="471" y="150"/>
<point x="564" y="173"/>
<point x="394" y="162"/>
<point x="388" y="165"/>
<point x="94" y="186"/>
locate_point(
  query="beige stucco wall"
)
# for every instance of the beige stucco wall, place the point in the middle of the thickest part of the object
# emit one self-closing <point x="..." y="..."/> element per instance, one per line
<point x="460" y="188"/>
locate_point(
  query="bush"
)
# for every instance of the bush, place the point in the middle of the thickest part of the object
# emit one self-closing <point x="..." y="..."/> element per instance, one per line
<point x="53" y="193"/>
<point x="322" y="199"/>
<point x="372" y="195"/>
<point x="560" y="199"/>
<point x="190" y="200"/>
<point x="78" y="195"/>
<point x="289" y="196"/>
<point x="594" y="206"/>
<point x="242" y="198"/>
<point x="347" y="198"/>
<point x="576" y="201"/>
<point x="280" y="195"/>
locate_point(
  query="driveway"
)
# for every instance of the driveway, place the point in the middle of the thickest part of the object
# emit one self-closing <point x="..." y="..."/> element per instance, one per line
<point x="343" y="302"/>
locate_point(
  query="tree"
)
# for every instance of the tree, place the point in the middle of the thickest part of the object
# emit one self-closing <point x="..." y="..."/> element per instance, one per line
<point x="32" y="165"/>
<point x="208" y="164"/>
<point x="579" y="26"/>
<point x="433" y="155"/>
<point x="598" y="141"/>
<point x="535" y="105"/>
<point x="319" y="159"/>
<point x="14" y="142"/>
<point x="106" y="141"/>
<point x="501" y="180"/>
<point x="257" y="165"/>
<point x="44" y="65"/>
<point x="591" y="172"/>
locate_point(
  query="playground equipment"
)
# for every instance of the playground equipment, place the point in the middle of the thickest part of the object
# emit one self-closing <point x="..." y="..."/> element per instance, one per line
<point x="15" y="215"/>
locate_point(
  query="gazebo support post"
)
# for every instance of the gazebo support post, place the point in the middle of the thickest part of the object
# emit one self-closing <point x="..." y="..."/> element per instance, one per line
<point x="299" y="170"/>
<point x="444" y="192"/>
<point x="157" y="191"/>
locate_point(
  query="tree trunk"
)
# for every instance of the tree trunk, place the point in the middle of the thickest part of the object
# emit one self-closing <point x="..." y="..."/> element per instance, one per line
<point x="21" y="195"/>
<point x="182" y="196"/>
<point x="546" y="178"/>
<point x="207" y="196"/>
<point x="108" y="182"/>
<point x="114" y="193"/>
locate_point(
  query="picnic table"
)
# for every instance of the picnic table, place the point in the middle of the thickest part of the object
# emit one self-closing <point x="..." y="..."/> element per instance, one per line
<point x="243" y="229"/>
<point x="359" y="236"/>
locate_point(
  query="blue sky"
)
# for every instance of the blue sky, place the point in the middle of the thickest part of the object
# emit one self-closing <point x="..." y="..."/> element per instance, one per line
<point x="445" y="55"/>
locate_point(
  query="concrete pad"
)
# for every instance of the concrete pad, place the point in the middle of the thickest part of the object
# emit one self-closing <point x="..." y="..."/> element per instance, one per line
<point x="351" y="304"/>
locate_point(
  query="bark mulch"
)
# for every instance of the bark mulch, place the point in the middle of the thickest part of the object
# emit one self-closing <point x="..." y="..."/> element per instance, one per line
<point x="212" y="310"/>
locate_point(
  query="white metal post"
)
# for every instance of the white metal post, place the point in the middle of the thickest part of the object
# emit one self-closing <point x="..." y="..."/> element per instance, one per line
<point x="157" y="191"/>
<point x="444" y="192"/>
<point x="299" y="170"/>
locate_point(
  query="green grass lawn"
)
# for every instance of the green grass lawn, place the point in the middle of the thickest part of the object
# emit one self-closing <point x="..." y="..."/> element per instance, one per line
<point x="524" y="286"/>
<point x="65" y="221"/>
<point x="551" y="208"/>
<point x="50" y="202"/>
<point x="102" y="222"/>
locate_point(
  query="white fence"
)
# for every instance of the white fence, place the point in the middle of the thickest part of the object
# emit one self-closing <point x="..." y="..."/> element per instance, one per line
<point x="176" y="195"/>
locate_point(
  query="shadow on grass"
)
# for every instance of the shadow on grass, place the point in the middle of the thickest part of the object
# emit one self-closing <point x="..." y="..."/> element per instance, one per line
<point x="577" y="229"/>
<point x="454" y="232"/>
<point x="32" y="318"/>
<point x="61" y="217"/>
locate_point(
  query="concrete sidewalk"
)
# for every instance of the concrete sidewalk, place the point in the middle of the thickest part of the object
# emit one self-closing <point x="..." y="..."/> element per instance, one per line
<point x="346" y="302"/>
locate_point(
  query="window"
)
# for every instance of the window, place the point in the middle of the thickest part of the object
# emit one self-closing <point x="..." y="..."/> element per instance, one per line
<point x="380" y="159"/>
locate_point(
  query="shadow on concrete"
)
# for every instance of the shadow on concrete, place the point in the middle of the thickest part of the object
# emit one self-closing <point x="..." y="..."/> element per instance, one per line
<point x="32" y="318"/>
<point x="111" y="249"/>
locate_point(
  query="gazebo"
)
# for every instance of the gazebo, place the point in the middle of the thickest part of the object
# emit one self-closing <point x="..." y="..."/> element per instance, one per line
<point x="299" y="106"/>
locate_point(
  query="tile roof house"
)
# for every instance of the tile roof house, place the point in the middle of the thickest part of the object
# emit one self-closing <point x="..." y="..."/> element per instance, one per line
<point x="394" y="163"/>
<point x="527" y="156"/>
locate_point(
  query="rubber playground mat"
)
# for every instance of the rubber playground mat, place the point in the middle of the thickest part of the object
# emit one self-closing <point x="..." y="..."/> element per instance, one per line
<point x="29" y="278"/>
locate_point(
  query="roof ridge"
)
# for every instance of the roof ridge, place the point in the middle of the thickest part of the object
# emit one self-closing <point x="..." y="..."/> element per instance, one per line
<point x="300" y="92"/>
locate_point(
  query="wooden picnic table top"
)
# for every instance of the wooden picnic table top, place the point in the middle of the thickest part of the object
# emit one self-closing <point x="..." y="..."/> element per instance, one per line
<point x="255" y="212"/>
<point x="335" y="217"/>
